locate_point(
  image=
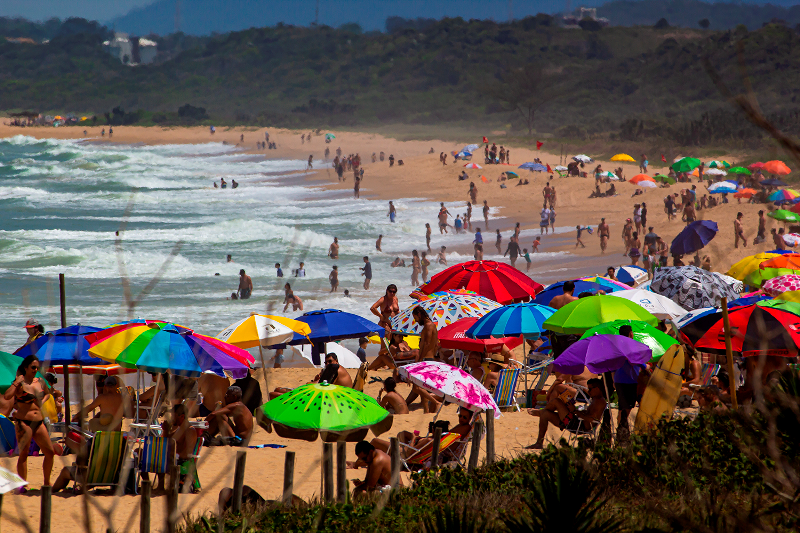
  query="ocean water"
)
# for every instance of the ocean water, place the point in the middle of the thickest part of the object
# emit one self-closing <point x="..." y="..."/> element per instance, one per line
<point x="61" y="203"/>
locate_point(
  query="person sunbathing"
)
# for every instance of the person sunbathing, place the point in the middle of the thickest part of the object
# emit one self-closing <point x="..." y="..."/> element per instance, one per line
<point x="410" y="443"/>
<point x="333" y="374"/>
<point x="392" y="402"/>
<point x="232" y="423"/>
<point x="111" y="407"/>
<point x="564" y="415"/>
<point x="185" y="437"/>
<point x="398" y="350"/>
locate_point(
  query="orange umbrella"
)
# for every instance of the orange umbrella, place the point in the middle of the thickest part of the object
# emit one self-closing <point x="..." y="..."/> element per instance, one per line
<point x="484" y="179"/>
<point x="745" y="193"/>
<point x="790" y="261"/>
<point x="777" y="167"/>
<point x="641" y="177"/>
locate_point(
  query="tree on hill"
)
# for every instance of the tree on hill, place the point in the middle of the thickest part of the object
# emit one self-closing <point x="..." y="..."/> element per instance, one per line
<point x="525" y="90"/>
<point x="705" y="23"/>
<point x="661" y="24"/>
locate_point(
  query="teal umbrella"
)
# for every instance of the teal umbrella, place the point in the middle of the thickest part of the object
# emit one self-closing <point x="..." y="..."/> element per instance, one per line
<point x="658" y="341"/>
<point x="329" y="136"/>
<point x="512" y="174"/>
<point x="8" y="370"/>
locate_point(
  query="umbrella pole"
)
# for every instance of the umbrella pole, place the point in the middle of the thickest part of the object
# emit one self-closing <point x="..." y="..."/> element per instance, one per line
<point x="441" y="404"/>
<point x="63" y="298"/>
<point x="729" y="353"/>
<point x="608" y="399"/>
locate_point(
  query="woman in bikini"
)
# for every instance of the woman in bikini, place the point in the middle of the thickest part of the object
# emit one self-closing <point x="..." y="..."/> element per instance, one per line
<point x="386" y="307"/>
<point x="416" y="267"/>
<point x="28" y="392"/>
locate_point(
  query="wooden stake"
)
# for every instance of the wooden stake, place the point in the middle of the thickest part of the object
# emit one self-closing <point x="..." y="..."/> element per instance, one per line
<point x="490" y="436"/>
<point x="288" y="479"/>
<point x="144" y="515"/>
<point x="327" y="471"/>
<point x="47" y="505"/>
<point x="238" y="481"/>
<point x="477" y="431"/>
<point x="394" y="450"/>
<point x="341" y="469"/>
<point x="437" y="443"/>
<point x="729" y="353"/>
<point x="172" y="500"/>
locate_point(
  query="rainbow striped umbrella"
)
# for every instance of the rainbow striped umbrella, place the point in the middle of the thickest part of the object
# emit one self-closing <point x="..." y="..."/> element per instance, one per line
<point x="155" y="346"/>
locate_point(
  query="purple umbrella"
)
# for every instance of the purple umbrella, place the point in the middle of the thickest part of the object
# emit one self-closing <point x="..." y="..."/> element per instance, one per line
<point x="601" y="353"/>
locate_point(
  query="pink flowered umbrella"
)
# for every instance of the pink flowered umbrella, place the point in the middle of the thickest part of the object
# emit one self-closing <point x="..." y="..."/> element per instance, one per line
<point x="775" y="286"/>
<point x="456" y="385"/>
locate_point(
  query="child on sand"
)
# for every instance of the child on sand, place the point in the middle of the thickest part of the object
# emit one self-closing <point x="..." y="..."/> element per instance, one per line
<point x="527" y="257"/>
<point x="333" y="277"/>
<point x="579" y="231"/>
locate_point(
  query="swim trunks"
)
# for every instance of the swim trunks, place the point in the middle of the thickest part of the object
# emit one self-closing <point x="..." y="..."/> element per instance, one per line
<point x="244" y="294"/>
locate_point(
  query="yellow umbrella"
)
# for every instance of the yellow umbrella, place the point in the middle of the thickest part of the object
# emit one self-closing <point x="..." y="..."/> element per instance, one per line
<point x="263" y="330"/>
<point x="748" y="265"/>
<point x="623" y="157"/>
<point x="790" y="296"/>
<point x="411" y="340"/>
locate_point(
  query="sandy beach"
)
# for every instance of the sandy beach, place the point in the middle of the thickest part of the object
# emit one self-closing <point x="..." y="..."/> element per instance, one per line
<point x="421" y="176"/>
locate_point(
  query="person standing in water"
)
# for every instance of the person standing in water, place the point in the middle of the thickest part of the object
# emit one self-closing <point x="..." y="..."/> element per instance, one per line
<point x="392" y="212"/>
<point x="424" y="264"/>
<point x="486" y="214"/>
<point x="378" y="243"/>
<point x="333" y="250"/>
<point x="366" y="271"/>
<point x="245" y="285"/>
<point x="333" y="278"/>
<point x="428" y="235"/>
<point x="416" y="267"/>
<point x="499" y="243"/>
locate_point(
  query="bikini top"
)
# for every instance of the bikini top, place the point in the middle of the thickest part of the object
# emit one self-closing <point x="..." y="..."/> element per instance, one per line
<point x="26" y="397"/>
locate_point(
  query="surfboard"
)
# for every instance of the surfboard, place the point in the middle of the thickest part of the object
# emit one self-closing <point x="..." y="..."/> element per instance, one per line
<point x="663" y="389"/>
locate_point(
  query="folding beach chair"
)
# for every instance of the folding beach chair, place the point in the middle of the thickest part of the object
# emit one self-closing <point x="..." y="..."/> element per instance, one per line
<point x="188" y="468"/>
<point x="506" y="390"/>
<point x="361" y="377"/>
<point x="584" y="429"/>
<point x="105" y="460"/>
<point x="421" y="457"/>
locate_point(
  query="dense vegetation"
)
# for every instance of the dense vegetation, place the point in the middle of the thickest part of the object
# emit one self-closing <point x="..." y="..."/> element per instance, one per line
<point x="449" y="72"/>
<point x="714" y="473"/>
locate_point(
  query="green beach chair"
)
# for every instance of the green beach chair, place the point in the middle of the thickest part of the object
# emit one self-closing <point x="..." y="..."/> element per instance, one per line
<point x="105" y="460"/>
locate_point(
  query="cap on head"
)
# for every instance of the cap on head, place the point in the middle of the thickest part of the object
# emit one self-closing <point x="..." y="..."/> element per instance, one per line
<point x="31" y="323"/>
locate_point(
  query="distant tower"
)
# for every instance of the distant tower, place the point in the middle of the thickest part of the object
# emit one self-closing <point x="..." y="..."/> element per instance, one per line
<point x="177" y="16"/>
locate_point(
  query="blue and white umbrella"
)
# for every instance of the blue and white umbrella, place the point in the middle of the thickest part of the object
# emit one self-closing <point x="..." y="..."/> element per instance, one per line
<point x="513" y="320"/>
<point x="470" y="148"/>
<point x="630" y="274"/>
<point x="534" y="167"/>
<point x="722" y="187"/>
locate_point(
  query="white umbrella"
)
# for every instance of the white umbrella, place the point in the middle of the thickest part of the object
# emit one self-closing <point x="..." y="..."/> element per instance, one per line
<point x="581" y="158"/>
<point x="660" y="306"/>
<point x="792" y="239"/>
<point x="561" y="168"/>
<point x="647" y="184"/>
<point x="715" y="172"/>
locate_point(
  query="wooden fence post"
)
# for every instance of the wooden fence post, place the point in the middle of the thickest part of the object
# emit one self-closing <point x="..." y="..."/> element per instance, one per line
<point x="327" y="471"/>
<point x="477" y="431"/>
<point x="437" y="443"/>
<point x="341" y="472"/>
<point x="490" y="436"/>
<point x="238" y="481"/>
<point x="144" y="514"/>
<point x="288" y="479"/>
<point x="394" y="449"/>
<point x="47" y="503"/>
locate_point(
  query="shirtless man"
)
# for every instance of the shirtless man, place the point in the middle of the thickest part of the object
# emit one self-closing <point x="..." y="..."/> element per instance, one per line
<point x="738" y="231"/>
<point x="233" y="422"/>
<point x="627" y="232"/>
<point x="386" y="307"/>
<point x="245" y="286"/>
<point x="443" y="214"/>
<point x="213" y="389"/>
<point x="379" y="469"/>
<point x="563" y="299"/>
<point x="689" y="215"/>
<point x="603" y="231"/>
<point x="392" y="402"/>
<point x="428" y="349"/>
<point x="392" y="214"/>
<point x="564" y="415"/>
<point x="111" y="406"/>
<point x="378" y="243"/>
<point x="342" y="377"/>
<point x="486" y="214"/>
<point x="333" y="250"/>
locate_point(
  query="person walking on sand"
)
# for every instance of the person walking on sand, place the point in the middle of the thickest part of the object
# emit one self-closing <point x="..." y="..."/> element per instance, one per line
<point x="366" y="271"/>
<point x="333" y="278"/>
<point x="428" y="235"/>
<point x="473" y="192"/>
<point x="333" y="250"/>
<point x="603" y="233"/>
<point x="762" y="229"/>
<point x="486" y="214"/>
<point x="544" y="224"/>
<point x="392" y="212"/>
<point x="416" y="267"/>
<point x="552" y="198"/>
<point x="738" y="231"/>
<point x="378" y="243"/>
<point x="578" y="241"/>
<point x="424" y="264"/>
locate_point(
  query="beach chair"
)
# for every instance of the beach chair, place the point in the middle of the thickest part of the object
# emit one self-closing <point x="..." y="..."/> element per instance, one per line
<point x="361" y="377"/>
<point x="157" y="455"/>
<point x="188" y="468"/>
<point x="420" y="457"/>
<point x="506" y="389"/>
<point x="105" y="461"/>
<point x="584" y="429"/>
<point x="8" y="436"/>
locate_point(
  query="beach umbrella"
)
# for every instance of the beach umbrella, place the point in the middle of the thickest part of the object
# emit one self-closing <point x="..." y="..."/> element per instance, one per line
<point x="581" y="286"/>
<point x="745" y="193"/>
<point x="648" y="185"/>
<point x="454" y="337"/>
<point x="740" y="170"/>
<point x="472" y="165"/>
<point x="781" y="284"/>
<point x="330" y="136"/>
<point x="789" y="296"/>
<point x="792" y="239"/>
<point x="585" y="313"/>
<point x="443" y="310"/>
<point x="612" y="284"/>
<point x="456" y="385"/>
<point x="777" y="167"/>
<point x="515" y="320"/>
<point x="686" y="164"/>
<point x="610" y="175"/>
<point x="8" y="370"/>
<point x="773" y="182"/>
<point x="470" y="148"/>
<point x="161" y="347"/>
<point x="693" y="288"/>
<point x="623" y="157"/>
<point x="694" y="237"/>
<point x="641" y="177"/>
<point x="497" y="281"/>
<point x="665" y="179"/>
<point x="601" y="353"/>
<point x="749" y="264"/>
<point x="331" y="325"/>
<point x="722" y="187"/>
<point x="783" y="195"/>
<point x="332" y="412"/>
<point x="715" y="172"/>
<point x="537" y="167"/>
<point x="630" y="275"/>
<point x="719" y="164"/>
<point x="786" y="261"/>
<point x="659" y="306"/>
<point x="756" y="165"/>
<point x="581" y="158"/>
<point x="262" y="330"/>
<point x="694" y="324"/>
<point x="66" y="346"/>
<point x="655" y="339"/>
<point x="764" y="328"/>
<point x="94" y="370"/>
<point x="512" y="175"/>
<point x="784" y="216"/>
<point x="454" y="292"/>
<point x="561" y="168"/>
<point x="756" y="297"/>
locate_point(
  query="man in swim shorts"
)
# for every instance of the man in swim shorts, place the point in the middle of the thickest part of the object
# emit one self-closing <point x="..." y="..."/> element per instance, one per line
<point x="245" y="286"/>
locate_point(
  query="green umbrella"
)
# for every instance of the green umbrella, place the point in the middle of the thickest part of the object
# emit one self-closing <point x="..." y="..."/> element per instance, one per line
<point x="719" y="164"/>
<point x="331" y="411"/>
<point x="330" y="136"/>
<point x="512" y="174"/>
<point x="687" y="164"/>
<point x="740" y="170"/>
<point x="8" y="370"/>
<point x="658" y="341"/>
<point x="665" y="179"/>
<point x="784" y="215"/>
<point x="757" y="277"/>
<point x="585" y="313"/>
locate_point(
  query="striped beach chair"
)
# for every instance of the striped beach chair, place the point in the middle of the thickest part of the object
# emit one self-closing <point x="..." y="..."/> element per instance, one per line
<point x="188" y="468"/>
<point x="420" y="457"/>
<point x="506" y="390"/>
<point x="158" y="455"/>
<point x="105" y="460"/>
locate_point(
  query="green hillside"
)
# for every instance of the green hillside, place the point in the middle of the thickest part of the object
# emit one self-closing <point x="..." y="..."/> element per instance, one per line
<point x="449" y="73"/>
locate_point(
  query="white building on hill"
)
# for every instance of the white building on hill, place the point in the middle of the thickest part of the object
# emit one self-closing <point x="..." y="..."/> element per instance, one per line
<point x="131" y="50"/>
